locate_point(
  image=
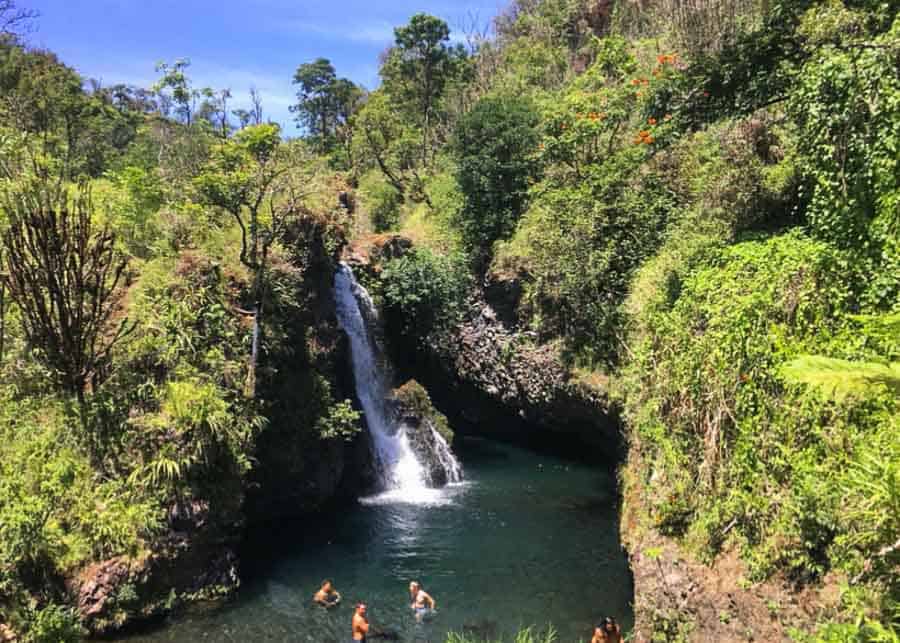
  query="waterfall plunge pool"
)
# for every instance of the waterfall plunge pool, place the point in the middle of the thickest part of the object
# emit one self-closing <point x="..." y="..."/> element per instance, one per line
<point x="527" y="539"/>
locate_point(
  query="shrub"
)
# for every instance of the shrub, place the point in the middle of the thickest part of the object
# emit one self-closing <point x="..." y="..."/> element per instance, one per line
<point x="423" y="292"/>
<point x="383" y="202"/>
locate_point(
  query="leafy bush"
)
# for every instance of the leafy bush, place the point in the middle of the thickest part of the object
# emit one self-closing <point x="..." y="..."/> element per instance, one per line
<point x="340" y="422"/>
<point x="382" y="201"/>
<point x="422" y="292"/>
<point x="53" y="624"/>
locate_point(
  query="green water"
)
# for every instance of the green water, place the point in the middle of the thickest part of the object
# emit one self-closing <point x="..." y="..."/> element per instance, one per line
<point x="527" y="540"/>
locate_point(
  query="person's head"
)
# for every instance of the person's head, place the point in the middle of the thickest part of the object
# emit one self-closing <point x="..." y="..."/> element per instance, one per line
<point x="609" y="624"/>
<point x="414" y="586"/>
<point x="361" y="609"/>
<point x="327" y="585"/>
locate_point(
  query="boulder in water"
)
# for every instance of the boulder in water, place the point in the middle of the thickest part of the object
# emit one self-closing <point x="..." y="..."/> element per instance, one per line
<point x="425" y="427"/>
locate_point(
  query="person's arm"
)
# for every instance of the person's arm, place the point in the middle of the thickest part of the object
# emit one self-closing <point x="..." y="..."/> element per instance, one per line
<point x="364" y="626"/>
<point x="430" y="600"/>
<point x="321" y="600"/>
<point x="337" y="598"/>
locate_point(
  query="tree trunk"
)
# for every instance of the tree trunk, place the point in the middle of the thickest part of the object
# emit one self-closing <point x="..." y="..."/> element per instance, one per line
<point x="250" y="386"/>
<point x="2" y="320"/>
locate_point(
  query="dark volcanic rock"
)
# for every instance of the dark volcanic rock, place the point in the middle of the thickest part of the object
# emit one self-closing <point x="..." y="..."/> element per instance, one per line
<point x="369" y="253"/>
<point x="507" y="383"/>
<point x="195" y="560"/>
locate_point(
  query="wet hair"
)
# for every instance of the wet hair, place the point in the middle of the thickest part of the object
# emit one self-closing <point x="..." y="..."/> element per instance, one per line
<point x="327" y="581"/>
<point x="609" y="620"/>
<point x="361" y="605"/>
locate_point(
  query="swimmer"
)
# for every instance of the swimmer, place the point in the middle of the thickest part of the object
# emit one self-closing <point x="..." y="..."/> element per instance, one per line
<point x="422" y="602"/>
<point x="608" y="631"/>
<point x="360" y="624"/>
<point x="327" y="596"/>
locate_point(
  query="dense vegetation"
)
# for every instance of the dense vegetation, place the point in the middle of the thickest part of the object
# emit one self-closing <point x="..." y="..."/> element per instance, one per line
<point x="706" y="209"/>
<point x="703" y="205"/>
<point x="158" y="269"/>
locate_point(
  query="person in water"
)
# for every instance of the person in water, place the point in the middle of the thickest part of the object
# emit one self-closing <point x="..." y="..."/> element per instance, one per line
<point x="327" y="596"/>
<point x="422" y="602"/>
<point x="608" y="631"/>
<point x="360" y="623"/>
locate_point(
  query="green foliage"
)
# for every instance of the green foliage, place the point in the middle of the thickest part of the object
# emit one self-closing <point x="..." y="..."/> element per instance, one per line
<point x="423" y="292"/>
<point x="847" y="106"/>
<point x="325" y="102"/>
<point x="495" y="145"/>
<point x="385" y="140"/>
<point x="528" y="635"/>
<point x="841" y="377"/>
<point x="340" y="423"/>
<point x="382" y="201"/>
<point x="417" y="71"/>
<point x="802" y="484"/>
<point x="53" y="624"/>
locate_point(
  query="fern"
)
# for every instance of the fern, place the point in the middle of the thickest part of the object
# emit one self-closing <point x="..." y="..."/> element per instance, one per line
<point x="841" y="378"/>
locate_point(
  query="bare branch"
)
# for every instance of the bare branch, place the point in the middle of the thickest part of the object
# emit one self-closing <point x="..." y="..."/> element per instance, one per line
<point x="15" y="21"/>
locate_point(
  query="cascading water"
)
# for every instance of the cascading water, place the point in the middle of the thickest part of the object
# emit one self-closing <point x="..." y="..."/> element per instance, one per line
<point x="400" y="473"/>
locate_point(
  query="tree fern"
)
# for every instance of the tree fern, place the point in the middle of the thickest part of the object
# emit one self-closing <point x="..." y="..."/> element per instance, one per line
<point x="842" y="378"/>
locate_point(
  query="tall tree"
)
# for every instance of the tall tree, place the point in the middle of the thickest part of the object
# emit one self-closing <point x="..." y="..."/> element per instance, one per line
<point x="64" y="273"/>
<point x="419" y="67"/>
<point x="250" y="177"/>
<point x="495" y="145"/>
<point x="175" y="88"/>
<point x="325" y="102"/>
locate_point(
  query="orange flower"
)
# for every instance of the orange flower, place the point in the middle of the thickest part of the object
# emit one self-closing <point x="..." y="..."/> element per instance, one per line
<point x="649" y="140"/>
<point x="662" y="59"/>
<point x="651" y="121"/>
<point x="635" y="81"/>
<point x="644" y="133"/>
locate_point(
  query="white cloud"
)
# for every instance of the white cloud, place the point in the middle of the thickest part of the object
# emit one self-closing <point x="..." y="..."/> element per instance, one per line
<point x="371" y="32"/>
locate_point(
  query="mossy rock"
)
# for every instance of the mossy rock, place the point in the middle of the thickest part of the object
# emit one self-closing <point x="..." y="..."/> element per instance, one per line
<point x="413" y="402"/>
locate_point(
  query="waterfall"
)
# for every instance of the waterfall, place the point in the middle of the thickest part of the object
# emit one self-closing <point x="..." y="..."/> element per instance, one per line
<point x="399" y="470"/>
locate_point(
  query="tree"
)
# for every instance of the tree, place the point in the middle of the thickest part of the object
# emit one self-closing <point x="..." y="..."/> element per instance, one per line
<point x="64" y="274"/>
<point x="382" y="137"/>
<point x="495" y="146"/>
<point x="419" y="67"/>
<point x="325" y="102"/>
<point x="214" y="109"/>
<point x="175" y="87"/>
<point x="14" y="21"/>
<point x="249" y="177"/>
<point x="252" y="116"/>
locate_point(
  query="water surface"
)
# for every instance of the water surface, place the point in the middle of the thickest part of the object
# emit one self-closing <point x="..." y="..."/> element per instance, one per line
<point x="526" y="540"/>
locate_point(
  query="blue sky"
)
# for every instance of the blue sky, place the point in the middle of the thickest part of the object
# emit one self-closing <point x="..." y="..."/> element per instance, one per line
<point x="233" y="43"/>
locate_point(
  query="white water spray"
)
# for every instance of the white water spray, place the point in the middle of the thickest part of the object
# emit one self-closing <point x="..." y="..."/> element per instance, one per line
<point x="400" y="474"/>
